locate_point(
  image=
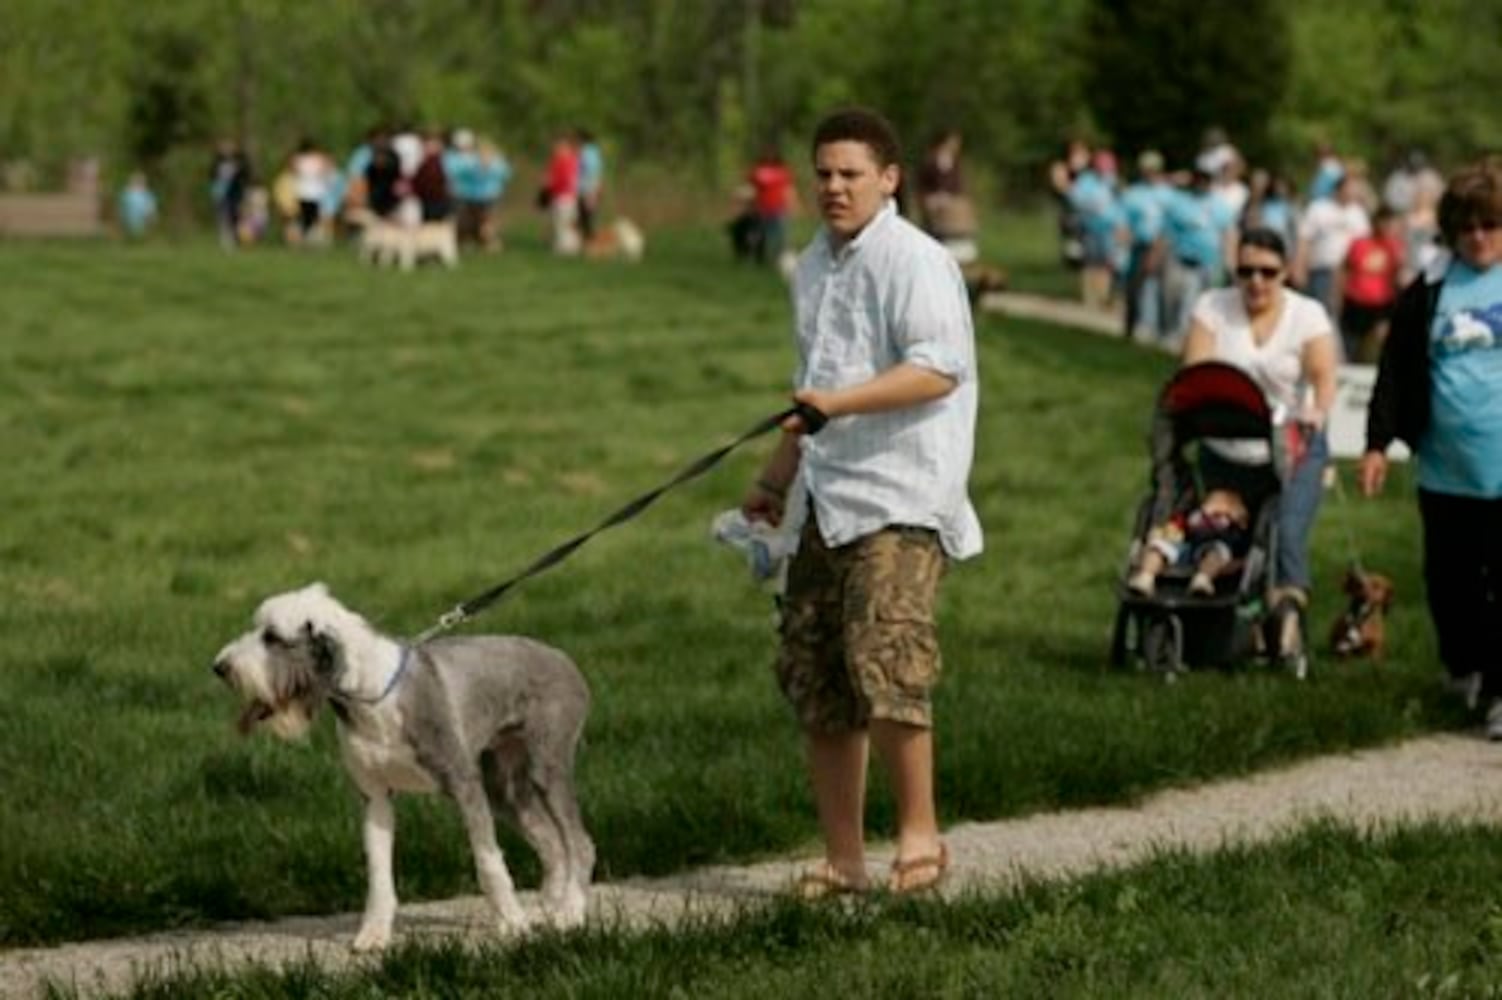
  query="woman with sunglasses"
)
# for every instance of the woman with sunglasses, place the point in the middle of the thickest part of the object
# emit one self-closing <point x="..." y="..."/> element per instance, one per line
<point x="1286" y="342"/>
<point x="1439" y="390"/>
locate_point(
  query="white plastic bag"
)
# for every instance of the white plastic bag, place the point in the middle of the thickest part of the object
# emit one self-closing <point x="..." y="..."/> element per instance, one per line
<point x="767" y="548"/>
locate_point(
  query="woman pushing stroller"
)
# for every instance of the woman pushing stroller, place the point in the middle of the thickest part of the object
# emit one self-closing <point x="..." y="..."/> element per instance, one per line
<point x="1286" y="343"/>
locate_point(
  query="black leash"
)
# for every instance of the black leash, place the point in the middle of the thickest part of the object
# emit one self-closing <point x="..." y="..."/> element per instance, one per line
<point x="813" y="421"/>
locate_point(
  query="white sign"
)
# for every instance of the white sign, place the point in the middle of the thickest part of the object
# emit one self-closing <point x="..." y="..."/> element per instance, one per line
<point x="1347" y="424"/>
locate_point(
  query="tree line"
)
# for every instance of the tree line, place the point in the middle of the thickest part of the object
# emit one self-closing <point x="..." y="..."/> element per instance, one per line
<point x="701" y="85"/>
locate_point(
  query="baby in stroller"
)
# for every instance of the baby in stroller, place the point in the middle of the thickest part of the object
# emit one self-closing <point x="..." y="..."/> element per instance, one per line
<point x="1196" y="586"/>
<point x="1207" y="537"/>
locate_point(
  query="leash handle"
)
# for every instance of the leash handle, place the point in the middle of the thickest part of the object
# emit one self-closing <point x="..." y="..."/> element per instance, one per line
<point x="813" y="418"/>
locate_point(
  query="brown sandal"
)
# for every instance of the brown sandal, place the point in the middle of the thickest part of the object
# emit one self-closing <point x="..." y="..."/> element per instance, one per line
<point x="823" y="881"/>
<point x="919" y="874"/>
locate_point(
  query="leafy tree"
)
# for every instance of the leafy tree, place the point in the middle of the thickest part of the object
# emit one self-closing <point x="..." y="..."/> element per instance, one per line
<point x="1158" y="73"/>
<point x="166" y="106"/>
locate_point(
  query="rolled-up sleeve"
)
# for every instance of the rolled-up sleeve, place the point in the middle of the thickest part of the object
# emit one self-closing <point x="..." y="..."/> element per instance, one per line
<point x="931" y="319"/>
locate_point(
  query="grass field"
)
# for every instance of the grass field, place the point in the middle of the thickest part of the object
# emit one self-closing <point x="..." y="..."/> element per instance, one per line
<point x="185" y="432"/>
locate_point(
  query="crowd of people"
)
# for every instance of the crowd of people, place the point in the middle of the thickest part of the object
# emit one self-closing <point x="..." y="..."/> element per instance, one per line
<point x="1153" y="241"/>
<point x="405" y="177"/>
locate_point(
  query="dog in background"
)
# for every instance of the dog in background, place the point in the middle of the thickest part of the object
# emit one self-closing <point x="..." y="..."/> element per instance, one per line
<point x="622" y="238"/>
<point x="387" y="244"/>
<point x="404" y="240"/>
<point x="490" y="721"/>
<point x="1361" y="629"/>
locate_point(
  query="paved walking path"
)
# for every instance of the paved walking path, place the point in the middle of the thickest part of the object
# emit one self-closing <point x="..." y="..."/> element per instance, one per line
<point x="1052" y="310"/>
<point x="1455" y="777"/>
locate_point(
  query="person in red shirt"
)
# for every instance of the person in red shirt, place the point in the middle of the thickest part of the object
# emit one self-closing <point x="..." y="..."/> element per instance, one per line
<point x="562" y="195"/>
<point x="1373" y="264"/>
<point x="773" y="193"/>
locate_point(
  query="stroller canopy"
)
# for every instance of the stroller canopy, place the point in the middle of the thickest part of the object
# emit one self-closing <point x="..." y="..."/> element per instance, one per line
<point x="1207" y="400"/>
<point x="1214" y="399"/>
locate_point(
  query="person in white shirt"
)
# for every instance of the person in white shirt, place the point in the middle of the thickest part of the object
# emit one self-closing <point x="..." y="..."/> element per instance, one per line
<point x="1286" y="342"/>
<point x="886" y="350"/>
<point x="1326" y="231"/>
<point x="312" y="172"/>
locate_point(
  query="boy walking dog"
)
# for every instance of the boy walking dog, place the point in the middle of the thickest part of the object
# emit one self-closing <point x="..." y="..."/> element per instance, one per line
<point x="886" y="351"/>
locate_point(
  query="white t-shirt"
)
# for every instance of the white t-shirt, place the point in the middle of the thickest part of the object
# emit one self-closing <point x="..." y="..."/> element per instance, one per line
<point x="311" y="173"/>
<point x="1329" y="228"/>
<point x="1276" y="365"/>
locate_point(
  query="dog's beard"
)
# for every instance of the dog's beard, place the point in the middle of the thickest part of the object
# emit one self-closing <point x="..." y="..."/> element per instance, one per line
<point x="284" y="702"/>
<point x="290" y="721"/>
<point x="254" y="713"/>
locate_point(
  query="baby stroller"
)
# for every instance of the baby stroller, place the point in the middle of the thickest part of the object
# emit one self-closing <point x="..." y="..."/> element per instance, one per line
<point x="1172" y="628"/>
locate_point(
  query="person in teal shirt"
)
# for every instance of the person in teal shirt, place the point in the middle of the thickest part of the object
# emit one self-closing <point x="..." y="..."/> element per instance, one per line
<point x="1439" y="389"/>
<point x="137" y="207"/>
<point x="1142" y="207"/>
<point x="1198" y="231"/>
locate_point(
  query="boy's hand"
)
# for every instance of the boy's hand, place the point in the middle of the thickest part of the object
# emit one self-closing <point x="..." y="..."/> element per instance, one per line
<point x="761" y="503"/>
<point x="816" y="406"/>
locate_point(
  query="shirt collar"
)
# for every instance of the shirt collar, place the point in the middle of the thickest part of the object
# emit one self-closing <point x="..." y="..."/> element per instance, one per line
<point x="887" y="211"/>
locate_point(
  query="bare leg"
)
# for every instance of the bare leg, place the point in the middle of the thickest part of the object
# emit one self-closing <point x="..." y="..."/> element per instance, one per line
<point x="1148" y="568"/>
<point x="906" y="753"/>
<point x="1215" y="559"/>
<point x="837" y="770"/>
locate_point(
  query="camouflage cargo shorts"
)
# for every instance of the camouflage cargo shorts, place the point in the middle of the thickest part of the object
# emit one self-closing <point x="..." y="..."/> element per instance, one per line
<point x="858" y="634"/>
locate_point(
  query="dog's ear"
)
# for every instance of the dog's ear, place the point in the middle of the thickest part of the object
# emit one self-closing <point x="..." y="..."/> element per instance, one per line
<point x="328" y="651"/>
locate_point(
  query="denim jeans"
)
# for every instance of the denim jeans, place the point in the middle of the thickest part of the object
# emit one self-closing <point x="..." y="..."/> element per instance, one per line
<point x="1301" y="497"/>
<point x="1143" y="295"/>
<point x="1182" y="284"/>
<point x="1321" y="286"/>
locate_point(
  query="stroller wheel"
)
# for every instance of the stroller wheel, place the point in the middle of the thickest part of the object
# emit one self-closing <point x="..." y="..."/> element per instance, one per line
<point x="1163" y="645"/>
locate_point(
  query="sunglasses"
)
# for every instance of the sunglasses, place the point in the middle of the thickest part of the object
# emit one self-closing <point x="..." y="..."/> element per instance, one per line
<point x="1246" y="271"/>
<point x="1480" y="225"/>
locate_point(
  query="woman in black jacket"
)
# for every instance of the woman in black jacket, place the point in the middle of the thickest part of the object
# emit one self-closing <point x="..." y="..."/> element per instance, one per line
<point x="1439" y="390"/>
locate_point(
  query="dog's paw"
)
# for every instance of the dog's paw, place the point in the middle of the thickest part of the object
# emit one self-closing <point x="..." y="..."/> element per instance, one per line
<point x="372" y="937"/>
<point x="512" y="926"/>
<point x="568" y="913"/>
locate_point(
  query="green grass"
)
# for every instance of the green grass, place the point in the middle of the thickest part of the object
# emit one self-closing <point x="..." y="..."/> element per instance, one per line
<point x="1024" y="240"/>
<point x="1327" y="913"/>
<point x="186" y="432"/>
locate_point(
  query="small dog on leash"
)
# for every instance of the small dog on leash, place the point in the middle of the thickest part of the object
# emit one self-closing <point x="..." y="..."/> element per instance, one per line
<point x="490" y="721"/>
<point x="1361" y="628"/>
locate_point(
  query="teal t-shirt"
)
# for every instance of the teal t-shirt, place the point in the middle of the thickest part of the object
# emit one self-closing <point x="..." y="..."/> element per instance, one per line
<point x="1461" y="451"/>
<point x="1142" y="205"/>
<point x="1195" y="224"/>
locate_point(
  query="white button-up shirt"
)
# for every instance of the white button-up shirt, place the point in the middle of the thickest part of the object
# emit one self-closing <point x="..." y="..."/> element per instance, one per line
<point x="887" y="296"/>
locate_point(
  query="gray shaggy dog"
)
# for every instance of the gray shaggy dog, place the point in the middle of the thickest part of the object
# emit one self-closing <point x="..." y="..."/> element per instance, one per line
<point x="492" y="722"/>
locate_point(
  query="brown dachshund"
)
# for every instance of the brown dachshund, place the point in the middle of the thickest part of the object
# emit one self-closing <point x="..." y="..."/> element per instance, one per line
<point x="1361" y="629"/>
